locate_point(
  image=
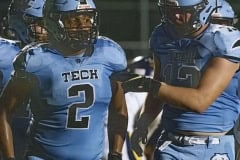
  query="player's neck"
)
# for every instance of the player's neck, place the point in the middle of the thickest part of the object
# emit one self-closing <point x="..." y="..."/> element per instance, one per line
<point x="66" y="51"/>
<point x="193" y="34"/>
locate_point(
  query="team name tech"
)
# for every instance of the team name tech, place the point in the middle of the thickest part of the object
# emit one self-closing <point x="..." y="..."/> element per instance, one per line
<point x="80" y="75"/>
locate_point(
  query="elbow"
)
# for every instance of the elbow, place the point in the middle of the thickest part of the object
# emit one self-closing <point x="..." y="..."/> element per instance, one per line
<point x="199" y="110"/>
<point x="200" y="106"/>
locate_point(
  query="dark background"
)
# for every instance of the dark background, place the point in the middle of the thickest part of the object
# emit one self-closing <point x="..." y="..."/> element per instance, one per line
<point x="128" y="22"/>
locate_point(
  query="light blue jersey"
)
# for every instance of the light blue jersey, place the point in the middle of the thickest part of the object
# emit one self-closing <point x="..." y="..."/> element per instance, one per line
<point x="21" y="119"/>
<point x="182" y="63"/>
<point x="75" y="95"/>
<point x="8" y="51"/>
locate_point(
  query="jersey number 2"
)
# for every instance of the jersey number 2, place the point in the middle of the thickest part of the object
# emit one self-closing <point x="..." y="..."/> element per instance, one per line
<point x="83" y="121"/>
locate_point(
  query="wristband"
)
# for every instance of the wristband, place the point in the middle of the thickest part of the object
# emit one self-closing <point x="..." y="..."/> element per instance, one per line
<point x="154" y="86"/>
<point x="114" y="156"/>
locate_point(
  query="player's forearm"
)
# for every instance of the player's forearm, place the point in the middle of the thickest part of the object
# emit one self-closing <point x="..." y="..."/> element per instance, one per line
<point x="185" y="98"/>
<point x="117" y="120"/>
<point x="117" y="129"/>
<point x="6" y="141"/>
<point x="117" y="144"/>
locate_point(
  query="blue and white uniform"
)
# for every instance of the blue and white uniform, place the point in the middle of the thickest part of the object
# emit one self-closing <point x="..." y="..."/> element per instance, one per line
<point x="8" y="51"/>
<point x="20" y="122"/>
<point x="75" y="92"/>
<point x="182" y="63"/>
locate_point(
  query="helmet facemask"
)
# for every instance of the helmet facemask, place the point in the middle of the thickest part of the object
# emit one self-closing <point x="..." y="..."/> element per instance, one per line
<point x="188" y="16"/>
<point x="25" y="20"/>
<point x="35" y="28"/>
<point x="17" y="28"/>
<point x="78" y="28"/>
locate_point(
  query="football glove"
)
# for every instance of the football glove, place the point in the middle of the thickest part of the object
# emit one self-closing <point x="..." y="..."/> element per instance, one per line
<point x="140" y="134"/>
<point x="141" y="84"/>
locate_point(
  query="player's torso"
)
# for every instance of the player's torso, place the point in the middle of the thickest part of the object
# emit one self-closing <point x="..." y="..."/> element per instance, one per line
<point x="75" y="93"/>
<point x="182" y="64"/>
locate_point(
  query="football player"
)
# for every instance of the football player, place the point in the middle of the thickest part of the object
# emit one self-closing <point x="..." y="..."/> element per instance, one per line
<point x="69" y="83"/>
<point x="22" y="26"/>
<point x="25" y="23"/>
<point x="195" y="83"/>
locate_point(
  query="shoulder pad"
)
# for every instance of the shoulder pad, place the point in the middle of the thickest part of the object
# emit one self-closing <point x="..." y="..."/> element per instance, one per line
<point x="19" y="62"/>
<point x="227" y="40"/>
<point x="110" y="53"/>
<point x="161" y="34"/>
<point x="8" y="42"/>
<point x="228" y="35"/>
<point x="107" y="42"/>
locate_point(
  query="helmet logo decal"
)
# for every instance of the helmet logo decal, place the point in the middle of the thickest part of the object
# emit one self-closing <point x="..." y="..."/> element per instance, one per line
<point x="83" y="4"/>
<point x="83" y="1"/>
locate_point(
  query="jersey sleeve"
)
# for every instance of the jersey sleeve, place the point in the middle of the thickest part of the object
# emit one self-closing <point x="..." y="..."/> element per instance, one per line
<point x="8" y="50"/>
<point x="227" y="41"/>
<point x="33" y="60"/>
<point x="29" y="59"/>
<point x="112" y="54"/>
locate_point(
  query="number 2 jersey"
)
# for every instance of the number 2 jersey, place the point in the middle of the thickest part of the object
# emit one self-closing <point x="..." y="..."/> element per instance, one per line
<point x="182" y="63"/>
<point x="75" y="93"/>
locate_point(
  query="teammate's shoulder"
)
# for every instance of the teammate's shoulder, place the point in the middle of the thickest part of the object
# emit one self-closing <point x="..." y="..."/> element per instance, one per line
<point x="7" y="42"/>
<point x="223" y="29"/>
<point x="226" y="37"/>
<point x="32" y="54"/>
<point x="226" y="40"/>
<point x="38" y="49"/>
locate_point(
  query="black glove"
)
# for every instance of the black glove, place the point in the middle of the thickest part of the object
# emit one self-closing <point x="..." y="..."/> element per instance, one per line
<point x="114" y="156"/>
<point x="140" y="133"/>
<point x="141" y="84"/>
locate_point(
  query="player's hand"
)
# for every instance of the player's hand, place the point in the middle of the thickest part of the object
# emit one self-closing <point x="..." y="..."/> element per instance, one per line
<point x="141" y="84"/>
<point x="138" y="135"/>
<point x="114" y="156"/>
